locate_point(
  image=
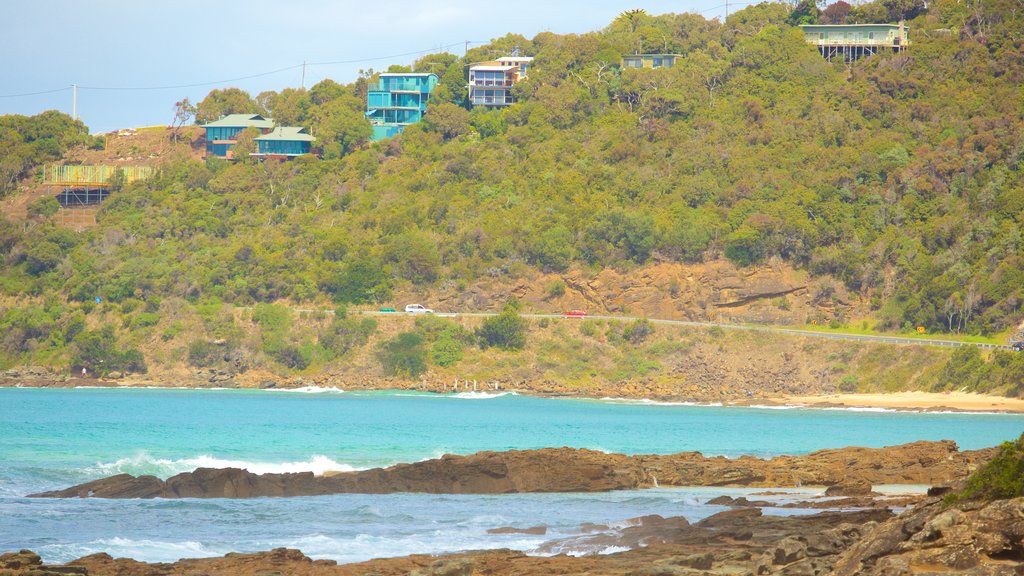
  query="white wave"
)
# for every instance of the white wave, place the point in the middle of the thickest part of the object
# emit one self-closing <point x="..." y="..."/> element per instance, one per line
<point x="144" y="463"/>
<point x="308" y="390"/>
<point x="649" y="402"/>
<point x="776" y="406"/>
<point x="146" y="550"/>
<point x="480" y="395"/>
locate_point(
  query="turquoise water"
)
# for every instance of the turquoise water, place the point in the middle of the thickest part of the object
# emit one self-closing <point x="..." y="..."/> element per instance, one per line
<point x="55" y="438"/>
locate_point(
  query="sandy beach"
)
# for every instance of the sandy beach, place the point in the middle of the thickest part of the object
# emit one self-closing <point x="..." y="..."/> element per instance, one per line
<point x="914" y="401"/>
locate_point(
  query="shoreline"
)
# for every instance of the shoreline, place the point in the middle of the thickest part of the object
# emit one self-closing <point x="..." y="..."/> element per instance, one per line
<point x="906" y="401"/>
<point x="916" y="401"/>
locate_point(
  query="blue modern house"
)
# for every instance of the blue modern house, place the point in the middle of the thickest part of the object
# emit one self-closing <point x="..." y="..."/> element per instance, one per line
<point x="222" y="135"/>
<point x="397" y="101"/>
<point x="284" y="142"/>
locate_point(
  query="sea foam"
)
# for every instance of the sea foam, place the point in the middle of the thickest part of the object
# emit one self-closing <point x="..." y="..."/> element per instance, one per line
<point x="144" y="463"/>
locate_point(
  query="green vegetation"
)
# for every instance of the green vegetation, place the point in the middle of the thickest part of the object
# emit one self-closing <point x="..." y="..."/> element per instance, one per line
<point x="899" y="177"/>
<point x="968" y="370"/>
<point x="999" y="479"/>
<point x="28" y="141"/>
<point x="97" y="352"/>
<point x="506" y="330"/>
<point x="404" y="355"/>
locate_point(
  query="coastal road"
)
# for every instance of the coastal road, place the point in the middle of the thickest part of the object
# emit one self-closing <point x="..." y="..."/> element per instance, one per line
<point x="724" y="326"/>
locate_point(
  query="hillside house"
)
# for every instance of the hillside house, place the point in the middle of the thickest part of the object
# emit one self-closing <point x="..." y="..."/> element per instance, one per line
<point x="853" y="41"/>
<point x="222" y="135"/>
<point x="398" y="101"/>
<point x="284" y="142"/>
<point x="651" y="60"/>
<point x="490" y="83"/>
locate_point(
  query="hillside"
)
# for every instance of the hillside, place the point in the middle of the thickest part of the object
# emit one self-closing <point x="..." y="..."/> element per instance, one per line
<point x="753" y="181"/>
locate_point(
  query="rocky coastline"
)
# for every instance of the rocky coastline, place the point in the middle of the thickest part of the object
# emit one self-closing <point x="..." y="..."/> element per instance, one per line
<point x="561" y="470"/>
<point x="929" y="538"/>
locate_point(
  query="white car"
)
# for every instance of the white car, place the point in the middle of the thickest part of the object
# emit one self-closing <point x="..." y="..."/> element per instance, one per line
<point x="417" y="309"/>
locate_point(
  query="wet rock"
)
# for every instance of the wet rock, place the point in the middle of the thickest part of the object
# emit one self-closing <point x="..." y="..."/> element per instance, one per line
<point x="849" y="488"/>
<point x="21" y="559"/>
<point x="458" y="567"/>
<point x="560" y="470"/>
<point x="535" y="530"/>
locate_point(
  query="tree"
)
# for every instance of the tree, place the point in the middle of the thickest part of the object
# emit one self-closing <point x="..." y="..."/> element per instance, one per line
<point x="45" y="207"/>
<point x="361" y="281"/>
<point x="97" y="352"/>
<point x="340" y="127"/>
<point x="506" y="330"/>
<point x="806" y="12"/>
<point x="289" y="107"/>
<point x="446" y="119"/>
<point x="245" y="144"/>
<point x="404" y="355"/>
<point x="219" y="103"/>
<point x="183" y="112"/>
<point x="836" y="13"/>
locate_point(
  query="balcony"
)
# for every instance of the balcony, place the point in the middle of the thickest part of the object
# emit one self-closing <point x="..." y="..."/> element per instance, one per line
<point x="885" y="42"/>
<point x="494" y="83"/>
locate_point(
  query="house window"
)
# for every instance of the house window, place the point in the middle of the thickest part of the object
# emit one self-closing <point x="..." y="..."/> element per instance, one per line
<point x="871" y="35"/>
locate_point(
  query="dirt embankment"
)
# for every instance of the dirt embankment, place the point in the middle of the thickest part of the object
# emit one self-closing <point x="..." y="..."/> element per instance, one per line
<point x="560" y="470"/>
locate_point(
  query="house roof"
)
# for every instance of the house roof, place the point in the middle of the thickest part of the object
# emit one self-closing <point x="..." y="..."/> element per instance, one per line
<point x="416" y="74"/>
<point x="651" y="55"/>
<point x="492" y="67"/>
<point x="516" y="59"/>
<point x="840" y="26"/>
<point x="290" y="133"/>
<point x="244" y="120"/>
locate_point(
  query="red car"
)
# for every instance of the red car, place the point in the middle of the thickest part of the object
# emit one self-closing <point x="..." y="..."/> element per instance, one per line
<point x="574" y="314"/>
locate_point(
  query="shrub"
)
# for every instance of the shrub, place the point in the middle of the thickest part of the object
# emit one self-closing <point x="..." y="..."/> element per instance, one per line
<point x="203" y="354"/>
<point x="447" y="350"/>
<point x="506" y="330"/>
<point x="404" y="355"/>
<point x="1001" y="478"/>
<point x="97" y="352"/>
<point x="345" y="334"/>
<point x="291" y="357"/>
<point x="145" y="319"/>
<point x="42" y="257"/>
<point x="43" y="207"/>
<point x="638" y="330"/>
<point x="556" y="289"/>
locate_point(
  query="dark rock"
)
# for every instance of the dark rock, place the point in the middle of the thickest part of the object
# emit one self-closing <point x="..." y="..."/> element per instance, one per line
<point x="458" y="567"/>
<point x="849" y="488"/>
<point x="561" y="470"/>
<point x="789" y="550"/>
<point x="536" y="530"/>
<point x="18" y="560"/>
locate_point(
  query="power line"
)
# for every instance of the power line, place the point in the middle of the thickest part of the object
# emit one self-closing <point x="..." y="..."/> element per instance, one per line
<point x="393" y="55"/>
<point x="249" y="77"/>
<point x="198" y="84"/>
<point x="36" y="93"/>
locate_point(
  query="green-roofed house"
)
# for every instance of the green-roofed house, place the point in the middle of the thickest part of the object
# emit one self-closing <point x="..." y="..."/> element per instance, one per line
<point x="222" y="135"/>
<point x="284" y="142"/>
<point x="651" y="60"/>
<point x="853" y="41"/>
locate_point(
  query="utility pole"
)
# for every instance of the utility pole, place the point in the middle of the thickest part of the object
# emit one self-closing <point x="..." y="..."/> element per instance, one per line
<point x="303" y="74"/>
<point x="74" y="101"/>
<point x="466" y="50"/>
<point x="726" y="10"/>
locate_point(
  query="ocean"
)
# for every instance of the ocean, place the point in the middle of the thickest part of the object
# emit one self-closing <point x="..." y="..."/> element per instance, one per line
<point x="53" y="438"/>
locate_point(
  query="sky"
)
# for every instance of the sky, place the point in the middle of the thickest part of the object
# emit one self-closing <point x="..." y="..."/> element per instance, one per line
<point x="133" y="59"/>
